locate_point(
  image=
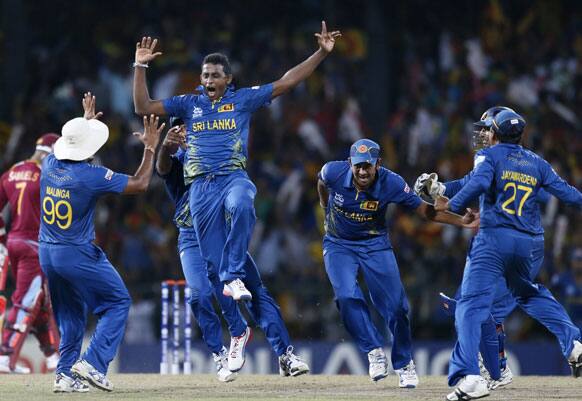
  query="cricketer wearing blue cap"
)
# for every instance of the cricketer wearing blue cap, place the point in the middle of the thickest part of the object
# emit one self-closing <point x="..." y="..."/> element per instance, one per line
<point x="203" y="279"/>
<point x="80" y="276"/>
<point x="510" y="243"/>
<point x="217" y="121"/>
<point x="355" y="194"/>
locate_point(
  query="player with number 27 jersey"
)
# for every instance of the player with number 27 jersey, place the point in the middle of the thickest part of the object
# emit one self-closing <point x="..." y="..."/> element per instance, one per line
<point x="511" y="177"/>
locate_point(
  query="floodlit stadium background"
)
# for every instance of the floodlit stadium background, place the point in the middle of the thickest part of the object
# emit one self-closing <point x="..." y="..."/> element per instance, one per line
<point x="412" y="75"/>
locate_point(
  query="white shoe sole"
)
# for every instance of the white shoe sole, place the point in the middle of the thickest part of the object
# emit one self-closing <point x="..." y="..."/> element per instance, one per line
<point x="89" y="379"/>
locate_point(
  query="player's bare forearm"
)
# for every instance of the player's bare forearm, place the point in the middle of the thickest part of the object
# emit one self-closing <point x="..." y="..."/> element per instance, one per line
<point x="299" y="73"/>
<point x="164" y="160"/>
<point x="141" y="99"/>
<point x="428" y="211"/>
<point x="323" y="194"/>
<point x="140" y="181"/>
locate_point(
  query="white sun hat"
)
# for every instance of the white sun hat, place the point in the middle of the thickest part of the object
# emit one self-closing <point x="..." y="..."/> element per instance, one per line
<point x="81" y="139"/>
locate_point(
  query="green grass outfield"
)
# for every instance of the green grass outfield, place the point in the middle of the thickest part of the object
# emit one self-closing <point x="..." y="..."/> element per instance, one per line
<point x="272" y="387"/>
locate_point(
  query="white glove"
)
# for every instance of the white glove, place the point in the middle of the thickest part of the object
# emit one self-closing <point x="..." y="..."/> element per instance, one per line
<point x="3" y="255"/>
<point x="420" y="184"/>
<point x="429" y="185"/>
<point x="434" y="187"/>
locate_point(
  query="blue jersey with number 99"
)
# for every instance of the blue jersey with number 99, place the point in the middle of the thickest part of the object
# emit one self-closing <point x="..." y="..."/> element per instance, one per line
<point x="508" y="178"/>
<point x="68" y="193"/>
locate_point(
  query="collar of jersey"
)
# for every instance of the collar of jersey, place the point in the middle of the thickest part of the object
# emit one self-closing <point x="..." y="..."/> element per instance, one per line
<point x="374" y="190"/>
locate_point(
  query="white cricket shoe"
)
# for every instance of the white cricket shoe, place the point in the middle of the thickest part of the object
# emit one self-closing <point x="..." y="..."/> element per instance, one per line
<point x="378" y="364"/>
<point x="292" y="365"/>
<point x="407" y="377"/>
<point x="67" y="384"/>
<point x="52" y="361"/>
<point x="575" y="359"/>
<point x="18" y="369"/>
<point x="5" y="364"/>
<point x="505" y="379"/>
<point x="237" y="290"/>
<point x="236" y="353"/>
<point x="86" y="371"/>
<point x="470" y="387"/>
<point x="222" y="373"/>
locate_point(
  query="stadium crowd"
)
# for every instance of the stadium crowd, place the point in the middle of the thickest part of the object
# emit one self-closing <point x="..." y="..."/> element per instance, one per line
<point x="446" y="75"/>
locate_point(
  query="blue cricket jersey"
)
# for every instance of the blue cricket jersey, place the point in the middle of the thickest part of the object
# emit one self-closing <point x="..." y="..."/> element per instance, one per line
<point x="361" y="215"/>
<point x="68" y="193"/>
<point x="508" y="178"/>
<point x="454" y="186"/>
<point x="217" y="131"/>
<point x="179" y="192"/>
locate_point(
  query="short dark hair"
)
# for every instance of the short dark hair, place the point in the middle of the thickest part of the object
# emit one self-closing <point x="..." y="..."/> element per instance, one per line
<point x="218" y="58"/>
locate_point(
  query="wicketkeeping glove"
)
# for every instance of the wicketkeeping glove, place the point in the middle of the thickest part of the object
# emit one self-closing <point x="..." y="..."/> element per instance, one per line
<point x="434" y="188"/>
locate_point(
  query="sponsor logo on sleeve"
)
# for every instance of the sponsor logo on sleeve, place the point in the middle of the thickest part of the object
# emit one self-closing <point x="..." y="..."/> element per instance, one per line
<point x="255" y="87"/>
<point x="406" y="188"/>
<point x="108" y="174"/>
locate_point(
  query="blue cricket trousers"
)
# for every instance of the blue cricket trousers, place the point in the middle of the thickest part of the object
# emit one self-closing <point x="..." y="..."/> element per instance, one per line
<point x="205" y="286"/>
<point x="81" y="278"/>
<point x="516" y="256"/>
<point x="223" y="213"/>
<point x="380" y="270"/>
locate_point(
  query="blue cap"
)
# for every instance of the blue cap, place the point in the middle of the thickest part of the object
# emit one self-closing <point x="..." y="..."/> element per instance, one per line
<point x="364" y="151"/>
<point x="508" y="125"/>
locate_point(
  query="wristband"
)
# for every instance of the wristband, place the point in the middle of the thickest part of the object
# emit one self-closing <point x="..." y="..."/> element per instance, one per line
<point x="136" y="64"/>
<point x="151" y="149"/>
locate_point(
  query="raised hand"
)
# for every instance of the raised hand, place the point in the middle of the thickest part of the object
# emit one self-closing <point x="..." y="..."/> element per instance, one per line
<point x="151" y="135"/>
<point x="89" y="107"/>
<point x="174" y="139"/>
<point x="144" y="50"/>
<point x="325" y="39"/>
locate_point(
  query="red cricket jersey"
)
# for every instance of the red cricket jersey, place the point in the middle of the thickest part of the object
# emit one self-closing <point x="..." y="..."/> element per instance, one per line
<point x="20" y="186"/>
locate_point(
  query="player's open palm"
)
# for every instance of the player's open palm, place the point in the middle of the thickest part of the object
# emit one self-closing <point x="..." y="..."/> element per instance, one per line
<point x="89" y="107"/>
<point x="145" y="50"/>
<point x="151" y="131"/>
<point x="325" y="39"/>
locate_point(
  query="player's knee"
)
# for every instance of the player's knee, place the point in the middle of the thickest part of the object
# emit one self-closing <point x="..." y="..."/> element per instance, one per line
<point x="345" y="300"/>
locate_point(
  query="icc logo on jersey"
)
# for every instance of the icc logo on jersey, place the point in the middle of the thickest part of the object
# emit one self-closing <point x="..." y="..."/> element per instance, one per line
<point x="196" y="112"/>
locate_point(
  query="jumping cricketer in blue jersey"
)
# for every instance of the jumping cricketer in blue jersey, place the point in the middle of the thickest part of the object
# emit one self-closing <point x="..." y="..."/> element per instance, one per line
<point x="80" y="276"/>
<point x="355" y="195"/>
<point x="204" y="281"/>
<point x="217" y="121"/>
<point x="510" y="243"/>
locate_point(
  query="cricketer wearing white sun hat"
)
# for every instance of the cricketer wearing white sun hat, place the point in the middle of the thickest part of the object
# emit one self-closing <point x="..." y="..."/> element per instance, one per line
<point x="81" y="139"/>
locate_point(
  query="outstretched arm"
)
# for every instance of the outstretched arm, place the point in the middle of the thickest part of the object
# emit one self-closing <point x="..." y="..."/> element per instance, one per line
<point x="144" y="53"/>
<point x="140" y="181"/>
<point x="300" y="72"/>
<point x="172" y="142"/>
<point x="428" y="211"/>
<point x="323" y="193"/>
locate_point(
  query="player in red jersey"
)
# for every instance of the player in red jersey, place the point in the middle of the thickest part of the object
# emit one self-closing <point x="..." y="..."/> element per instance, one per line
<point x="31" y="309"/>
